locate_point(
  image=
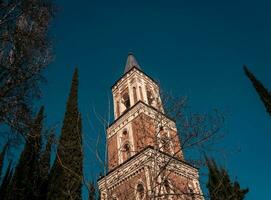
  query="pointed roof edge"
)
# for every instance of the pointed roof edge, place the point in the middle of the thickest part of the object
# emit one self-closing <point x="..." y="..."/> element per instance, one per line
<point x="131" y="62"/>
<point x="123" y="75"/>
<point x="127" y="70"/>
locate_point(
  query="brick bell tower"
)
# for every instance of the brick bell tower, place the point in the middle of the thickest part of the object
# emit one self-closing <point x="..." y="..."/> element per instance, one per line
<point x="145" y="160"/>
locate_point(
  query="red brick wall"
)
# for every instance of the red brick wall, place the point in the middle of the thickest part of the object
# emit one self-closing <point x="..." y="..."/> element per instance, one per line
<point x="127" y="189"/>
<point x="112" y="152"/>
<point x="179" y="187"/>
<point x="176" y="144"/>
<point x="144" y="133"/>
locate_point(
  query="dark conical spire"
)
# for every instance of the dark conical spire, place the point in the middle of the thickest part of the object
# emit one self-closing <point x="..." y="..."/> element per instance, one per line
<point x="131" y="62"/>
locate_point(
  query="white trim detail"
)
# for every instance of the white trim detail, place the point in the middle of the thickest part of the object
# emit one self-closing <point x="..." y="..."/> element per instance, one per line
<point x="133" y="113"/>
<point x="140" y="162"/>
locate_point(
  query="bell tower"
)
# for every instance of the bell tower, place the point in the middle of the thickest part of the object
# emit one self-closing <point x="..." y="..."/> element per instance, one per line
<point x="135" y="87"/>
<point x="143" y="144"/>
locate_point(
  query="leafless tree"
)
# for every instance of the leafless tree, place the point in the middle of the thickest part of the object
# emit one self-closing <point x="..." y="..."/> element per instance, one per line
<point x="197" y="133"/>
<point x="25" y="50"/>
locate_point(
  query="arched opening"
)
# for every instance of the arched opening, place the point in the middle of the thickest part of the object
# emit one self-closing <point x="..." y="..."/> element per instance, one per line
<point x="125" y="132"/>
<point x="167" y="186"/>
<point x="161" y="128"/>
<point x="134" y="94"/>
<point x="103" y="196"/>
<point x="150" y="97"/>
<point x="114" y="197"/>
<point x="125" y="136"/>
<point x="140" y="191"/>
<point x="159" y="104"/>
<point x="126" y="149"/>
<point x="126" y="100"/>
<point x="141" y="93"/>
<point x="165" y="140"/>
<point x="118" y="109"/>
<point x="191" y="192"/>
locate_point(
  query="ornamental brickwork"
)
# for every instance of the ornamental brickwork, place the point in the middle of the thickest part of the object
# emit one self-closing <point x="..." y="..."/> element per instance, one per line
<point x="145" y="159"/>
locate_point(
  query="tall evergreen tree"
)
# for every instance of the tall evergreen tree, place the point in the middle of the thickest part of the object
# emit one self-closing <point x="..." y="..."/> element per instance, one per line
<point x="220" y="186"/>
<point x="4" y="188"/>
<point x="24" y="182"/>
<point x="264" y="94"/>
<point x="44" y="168"/>
<point x="67" y="171"/>
<point x="2" y="158"/>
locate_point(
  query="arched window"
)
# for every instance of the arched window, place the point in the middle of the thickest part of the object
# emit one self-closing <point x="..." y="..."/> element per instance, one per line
<point x="126" y="151"/>
<point x="125" y="132"/>
<point x="134" y="94"/>
<point x="141" y="93"/>
<point x="126" y="100"/>
<point x="191" y="192"/>
<point x="118" y="109"/>
<point x="165" y="142"/>
<point x="161" y="128"/>
<point x="150" y="97"/>
<point x="124" y="137"/>
<point x="159" y="104"/>
<point x="140" y="191"/>
<point x="114" y="197"/>
<point x="167" y="186"/>
<point x="103" y="196"/>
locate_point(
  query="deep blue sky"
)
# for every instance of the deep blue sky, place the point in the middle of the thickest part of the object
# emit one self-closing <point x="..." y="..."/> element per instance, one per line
<point x="193" y="48"/>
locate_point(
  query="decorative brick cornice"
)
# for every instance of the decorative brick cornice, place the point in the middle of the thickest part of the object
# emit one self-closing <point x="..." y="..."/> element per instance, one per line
<point x="135" y="164"/>
<point x="133" y="112"/>
<point x="130" y="73"/>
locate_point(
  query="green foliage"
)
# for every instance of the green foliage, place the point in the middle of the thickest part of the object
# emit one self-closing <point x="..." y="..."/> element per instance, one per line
<point x="220" y="186"/>
<point x="25" y="180"/>
<point x="264" y="94"/>
<point x="67" y="172"/>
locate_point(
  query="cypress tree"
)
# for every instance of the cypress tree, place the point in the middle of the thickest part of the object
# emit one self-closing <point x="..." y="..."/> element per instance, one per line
<point x="238" y="192"/>
<point x="2" y="158"/>
<point x="25" y="179"/>
<point x="264" y="94"/>
<point x="44" y="168"/>
<point x="6" y="183"/>
<point x="220" y="186"/>
<point x="67" y="172"/>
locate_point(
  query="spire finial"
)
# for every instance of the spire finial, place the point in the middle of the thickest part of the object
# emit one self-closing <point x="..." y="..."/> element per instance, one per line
<point x="131" y="62"/>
